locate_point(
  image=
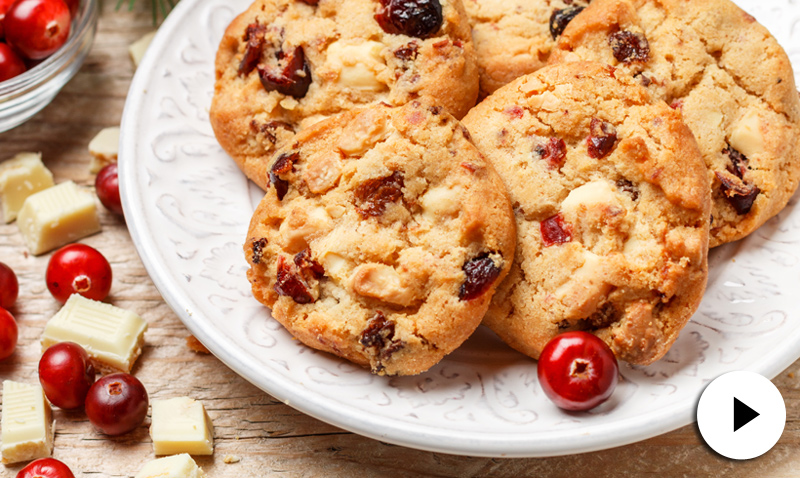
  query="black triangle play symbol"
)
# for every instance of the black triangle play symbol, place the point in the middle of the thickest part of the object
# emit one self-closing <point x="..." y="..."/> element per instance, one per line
<point x="742" y="414"/>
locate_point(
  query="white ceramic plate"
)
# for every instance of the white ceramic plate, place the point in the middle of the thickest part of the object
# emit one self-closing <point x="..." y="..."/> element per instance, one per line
<point x="188" y="207"/>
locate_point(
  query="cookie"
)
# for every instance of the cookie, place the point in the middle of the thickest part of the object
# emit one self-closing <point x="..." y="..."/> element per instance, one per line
<point x="283" y="65"/>
<point x="514" y="37"/>
<point x="382" y="237"/>
<point x="730" y="79"/>
<point x="611" y="199"/>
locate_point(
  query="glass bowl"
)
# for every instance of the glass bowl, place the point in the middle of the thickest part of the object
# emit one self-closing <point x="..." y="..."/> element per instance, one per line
<point x="25" y="95"/>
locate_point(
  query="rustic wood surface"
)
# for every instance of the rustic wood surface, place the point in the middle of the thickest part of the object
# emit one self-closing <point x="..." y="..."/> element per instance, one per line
<point x="270" y="438"/>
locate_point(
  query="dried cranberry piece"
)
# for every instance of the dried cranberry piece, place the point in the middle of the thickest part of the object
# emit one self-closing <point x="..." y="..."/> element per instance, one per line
<point x="268" y="129"/>
<point x="739" y="194"/>
<point x="283" y="165"/>
<point x="628" y="46"/>
<point x="554" y="151"/>
<point x="416" y="18"/>
<point x="372" y="196"/>
<point x="738" y="161"/>
<point x="561" y="18"/>
<point x="306" y="264"/>
<point x="555" y="231"/>
<point x="407" y="52"/>
<point x="258" y="250"/>
<point x="291" y="76"/>
<point x="481" y="272"/>
<point x="602" y="136"/>
<point x="254" y="36"/>
<point x="628" y="187"/>
<point x="379" y="331"/>
<point x="290" y="283"/>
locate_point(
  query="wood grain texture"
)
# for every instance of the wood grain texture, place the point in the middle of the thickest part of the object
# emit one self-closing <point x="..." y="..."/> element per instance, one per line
<point x="271" y="438"/>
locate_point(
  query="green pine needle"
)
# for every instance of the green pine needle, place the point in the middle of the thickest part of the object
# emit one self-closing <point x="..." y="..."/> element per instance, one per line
<point x="164" y="6"/>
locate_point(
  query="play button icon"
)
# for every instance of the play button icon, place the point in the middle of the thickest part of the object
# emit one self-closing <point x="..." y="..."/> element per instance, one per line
<point x="741" y="415"/>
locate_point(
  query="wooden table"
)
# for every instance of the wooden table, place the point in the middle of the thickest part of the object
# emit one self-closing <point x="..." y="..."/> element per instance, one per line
<point x="270" y="438"/>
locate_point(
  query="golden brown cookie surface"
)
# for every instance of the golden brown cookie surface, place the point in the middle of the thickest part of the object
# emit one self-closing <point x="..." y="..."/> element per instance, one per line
<point x="514" y="37"/>
<point x="728" y="77"/>
<point x="382" y="237"/>
<point x="611" y="200"/>
<point x="283" y="65"/>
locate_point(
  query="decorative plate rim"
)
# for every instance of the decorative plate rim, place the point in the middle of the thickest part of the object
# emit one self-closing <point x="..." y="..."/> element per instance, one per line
<point x="432" y="437"/>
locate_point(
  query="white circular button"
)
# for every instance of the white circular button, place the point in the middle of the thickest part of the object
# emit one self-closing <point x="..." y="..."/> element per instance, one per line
<point x="741" y="415"/>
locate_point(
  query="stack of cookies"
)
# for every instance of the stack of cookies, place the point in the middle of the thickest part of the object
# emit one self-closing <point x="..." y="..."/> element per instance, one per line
<point x="614" y="142"/>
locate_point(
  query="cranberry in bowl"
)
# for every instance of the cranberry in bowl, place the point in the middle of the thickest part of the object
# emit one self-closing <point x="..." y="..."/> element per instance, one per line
<point x="25" y="94"/>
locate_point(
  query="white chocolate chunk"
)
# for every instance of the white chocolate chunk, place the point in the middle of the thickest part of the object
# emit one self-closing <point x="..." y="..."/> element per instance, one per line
<point x="113" y="337"/>
<point x="363" y="132"/>
<point x="104" y="148"/>
<point x="175" y="466"/>
<point x="21" y="176"/>
<point x="138" y="48"/>
<point x="322" y="171"/>
<point x="588" y="196"/>
<point x="382" y="282"/>
<point x="336" y="266"/>
<point x="746" y="136"/>
<point x="181" y="425"/>
<point x="358" y="64"/>
<point x="57" y="216"/>
<point x="441" y="202"/>
<point x="301" y="225"/>
<point x="27" y="424"/>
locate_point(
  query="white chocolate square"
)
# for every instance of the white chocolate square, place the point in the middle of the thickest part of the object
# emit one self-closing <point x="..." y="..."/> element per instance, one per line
<point x="113" y="337"/>
<point x="181" y="425"/>
<point x="57" y="216"/>
<point x="104" y="148"/>
<point x="176" y="466"/>
<point x="27" y="424"/>
<point x="138" y="48"/>
<point x="21" y="176"/>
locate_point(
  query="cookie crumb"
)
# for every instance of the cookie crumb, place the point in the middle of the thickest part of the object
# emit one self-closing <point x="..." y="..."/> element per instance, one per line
<point x="229" y="459"/>
<point x="195" y="345"/>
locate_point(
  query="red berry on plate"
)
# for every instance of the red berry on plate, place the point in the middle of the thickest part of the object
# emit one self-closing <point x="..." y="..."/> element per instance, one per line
<point x="78" y="269"/>
<point x="577" y="371"/>
<point x="66" y="374"/>
<point x="11" y="64"/>
<point x="107" y="186"/>
<point x="8" y="334"/>
<point x="46" y="468"/>
<point x="117" y="403"/>
<point x="9" y="287"/>
<point x="37" y="28"/>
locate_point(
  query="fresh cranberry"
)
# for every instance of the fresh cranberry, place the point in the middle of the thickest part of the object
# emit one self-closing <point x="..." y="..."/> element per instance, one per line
<point x="78" y="269"/>
<point x="46" y="468"/>
<point x="73" y="6"/>
<point x="11" y="64"/>
<point x="117" y="403"/>
<point x="37" y="28"/>
<point x="107" y="186"/>
<point x="577" y="371"/>
<point x="66" y="374"/>
<point x="8" y="334"/>
<point x="9" y="287"/>
<point x="4" y="6"/>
